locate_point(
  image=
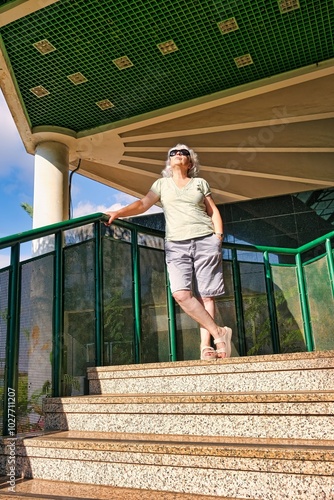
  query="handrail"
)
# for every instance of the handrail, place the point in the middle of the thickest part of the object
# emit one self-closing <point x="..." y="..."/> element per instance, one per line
<point x="40" y="232"/>
<point x="316" y="242"/>
<point x="281" y="250"/>
<point x="32" y="234"/>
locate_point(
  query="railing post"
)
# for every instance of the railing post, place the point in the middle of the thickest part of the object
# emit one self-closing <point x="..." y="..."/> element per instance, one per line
<point x="271" y="304"/>
<point x="58" y="316"/>
<point x="239" y="304"/>
<point x="98" y="295"/>
<point x="136" y="293"/>
<point x="171" y="321"/>
<point x="304" y="304"/>
<point x="330" y="263"/>
<point x="12" y="345"/>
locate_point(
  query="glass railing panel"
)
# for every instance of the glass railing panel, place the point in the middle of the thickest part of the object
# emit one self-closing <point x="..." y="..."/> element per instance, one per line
<point x="35" y="342"/>
<point x="321" y="303"/>
<point x="118" y="301"/>
<point x="151" y="241"/>
<point x="78" y="234"/>
<point x="4" y="277"/>
<point x="79" y="316"/>
<point x="187" y="336"/>
<point x="256" y="315"/>
<point x="155" y="340"/>
<point x="288" y="310"/>
<point x="118" y="233"/>
<point x="42" y="246"/>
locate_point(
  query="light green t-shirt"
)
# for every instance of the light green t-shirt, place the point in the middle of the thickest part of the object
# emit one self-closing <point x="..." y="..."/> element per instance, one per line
<point x="184" y="208"/>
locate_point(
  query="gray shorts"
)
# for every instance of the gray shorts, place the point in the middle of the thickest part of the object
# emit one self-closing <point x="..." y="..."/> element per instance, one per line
<point x="196" y="265"/>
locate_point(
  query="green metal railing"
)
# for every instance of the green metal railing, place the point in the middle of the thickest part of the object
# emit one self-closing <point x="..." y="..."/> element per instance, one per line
<point x="303" y="292"/>
<point x="16" y="292"/>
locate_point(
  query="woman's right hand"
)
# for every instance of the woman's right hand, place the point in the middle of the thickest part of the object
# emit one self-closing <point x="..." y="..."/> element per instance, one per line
<point x="112" y="217"/>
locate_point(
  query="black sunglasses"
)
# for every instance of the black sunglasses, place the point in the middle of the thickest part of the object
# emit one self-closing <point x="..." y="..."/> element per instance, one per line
<point x="183" y="152"/>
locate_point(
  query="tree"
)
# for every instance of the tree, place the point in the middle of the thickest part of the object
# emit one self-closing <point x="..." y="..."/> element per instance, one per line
<point x="27" y="208"/>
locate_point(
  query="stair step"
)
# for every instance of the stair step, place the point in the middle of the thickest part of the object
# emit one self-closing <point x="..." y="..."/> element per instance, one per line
<point x="285" y="372"/>
<point x="256" y="428"/>
<point x="224" y="467"/>
<point x="275" y="415"/>
<point x="41" y="489"/>
<point x="207" y="397"/>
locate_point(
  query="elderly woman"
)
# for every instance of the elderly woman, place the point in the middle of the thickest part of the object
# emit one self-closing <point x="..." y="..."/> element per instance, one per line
<point x="194" y="234"/>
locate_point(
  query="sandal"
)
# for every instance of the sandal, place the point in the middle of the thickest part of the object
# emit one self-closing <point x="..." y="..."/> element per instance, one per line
<point x="207" y="356"/>
<point x="226" y="339"/>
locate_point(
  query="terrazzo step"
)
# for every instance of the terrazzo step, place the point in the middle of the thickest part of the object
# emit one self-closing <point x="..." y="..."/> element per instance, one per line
<point x="40" y="489"/>
<point x="304" y="415"/>
<point x="284" y="372"/>
<point x="195" y="465"/>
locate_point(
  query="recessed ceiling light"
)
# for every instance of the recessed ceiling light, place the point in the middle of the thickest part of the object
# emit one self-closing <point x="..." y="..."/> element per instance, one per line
<point x="288" y="5"/>
<point x="167" y="47"/>
<point x="105" y="104"/>
<point x="44" y="47"/>
<point x="244" y="60"/>
<point x="39" y="91"/>
<point x="228" y="25"/>
<point x="77" y="78"/>
<point x="123" y="62"/>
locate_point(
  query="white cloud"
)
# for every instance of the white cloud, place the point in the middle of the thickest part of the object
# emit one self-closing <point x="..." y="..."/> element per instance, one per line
<point x="86" y="208"/>
<point x="15" y="163"/>
<point x="124" y="198"/>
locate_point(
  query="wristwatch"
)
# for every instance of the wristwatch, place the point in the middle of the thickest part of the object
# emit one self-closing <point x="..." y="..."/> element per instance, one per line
<point x="220" y="234"/>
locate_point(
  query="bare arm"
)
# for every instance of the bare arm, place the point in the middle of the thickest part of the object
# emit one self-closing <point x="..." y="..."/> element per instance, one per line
<point x="135" y="208"/>
<point x="213" y="212"/>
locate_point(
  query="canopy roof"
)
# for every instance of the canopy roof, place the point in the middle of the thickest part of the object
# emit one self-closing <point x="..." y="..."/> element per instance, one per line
<point x="248" y="84"/>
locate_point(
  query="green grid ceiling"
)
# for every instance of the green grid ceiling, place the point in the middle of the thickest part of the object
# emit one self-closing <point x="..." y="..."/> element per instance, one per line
<point x="89" y="35"/>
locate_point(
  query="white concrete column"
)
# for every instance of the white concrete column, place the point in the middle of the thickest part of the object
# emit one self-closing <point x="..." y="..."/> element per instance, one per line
<point x="51" y="202"/>
<point x="51" y="198"/>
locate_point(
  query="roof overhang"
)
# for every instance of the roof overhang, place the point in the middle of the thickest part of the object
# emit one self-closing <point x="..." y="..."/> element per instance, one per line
<point x="263" y="138"/>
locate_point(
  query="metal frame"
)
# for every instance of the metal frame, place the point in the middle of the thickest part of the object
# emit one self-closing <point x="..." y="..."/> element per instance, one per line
<point x="14" y="293"/>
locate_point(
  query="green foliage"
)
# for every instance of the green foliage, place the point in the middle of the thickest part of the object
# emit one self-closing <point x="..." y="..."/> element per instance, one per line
<point x="258" y="336"/>
<point x="116" y="328"/>
<point x="258" y="339"/>
<point x="114" y="318"/>
<point x="28" y="209"/>
<point x="30" y="406"/>
<point x="69" y="383"/>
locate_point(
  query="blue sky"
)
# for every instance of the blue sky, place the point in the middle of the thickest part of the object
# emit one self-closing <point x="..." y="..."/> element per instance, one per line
<point x="17" y="183"/>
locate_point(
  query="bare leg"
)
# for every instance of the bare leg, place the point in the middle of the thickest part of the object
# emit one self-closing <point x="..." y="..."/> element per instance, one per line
<point x="209" y="306"/>
<point x="193" y="307"/>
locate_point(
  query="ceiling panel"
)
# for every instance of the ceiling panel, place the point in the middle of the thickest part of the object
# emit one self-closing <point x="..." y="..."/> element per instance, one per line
<point x="89" y="36"/>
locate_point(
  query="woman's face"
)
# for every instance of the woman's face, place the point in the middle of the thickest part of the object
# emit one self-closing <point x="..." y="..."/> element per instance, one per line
<point x="179" y="158"/>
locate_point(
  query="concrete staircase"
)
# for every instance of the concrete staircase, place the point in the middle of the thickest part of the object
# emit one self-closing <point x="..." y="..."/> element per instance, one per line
<point x="255" y="428"/>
